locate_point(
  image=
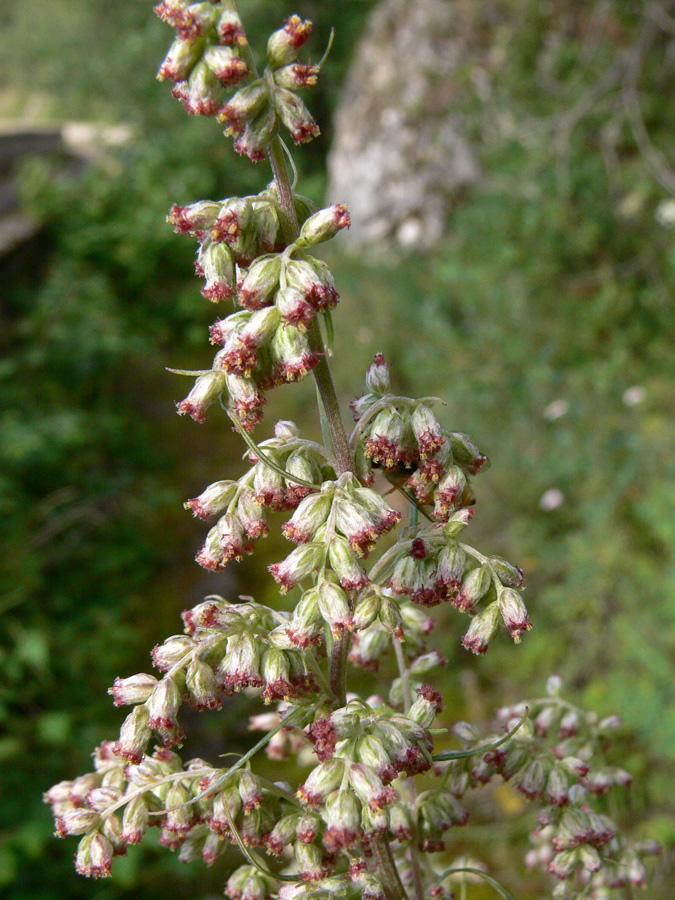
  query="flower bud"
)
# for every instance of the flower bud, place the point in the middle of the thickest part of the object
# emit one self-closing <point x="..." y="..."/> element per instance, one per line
<point x="310" y="862"/>
<point x="283" y="834"/>
<point x="296" y="75"/>
<point x="244" y="106"/>
<point x="306" y="625"/>
<point x="427" y="705"/>
<point x="482" y="629"/>
<point x="323" y="225"/>
<point x="514" y="613"/>
<point x="201" y="685"/>
<point x="241" y="666"/>
<point x="134" y="735"/>
<point x="179" y="818"/>
<point x="195" y="218"/>
<point x="300" y="563"/>
<point x="206" y="391"/>
<point x="475" y="585"/>
<point x="390" y="618"/>
<point x="509" y="575"/>
<point x="225" y="64"/>
<point x="230" y="28"/>
<point x="450" y="569"/>
<point x="291" y="355"/>
<point x="321" y="781"/>
<point x="216" y="263"/>
<point x="366" y="609"/>
<point x="261" y="282"/>
<point x="255" y="139"/>
<point x="345" y="565"/>
<point x="457" y="522"/>
<point x="181" y="59"/>
<point x="164" y="703"/>
<point x="450" y="492"/>
<point x="94" y="856"/>
<point x="135" y="689"/>
<point x="295" y="116"/>
<point x="135" y="820"/>
<point x="78" y="821"/>
<point x="284" y="45"/>
<point x="212" y="500"/>
<point x="369" y="787"/>
<point x="427" y="430"/>
<point x="251" y="516"/>
<point x="334" y="608"/>
<point x="309" y="517"/>
<point x="200" y="94"/>
<point x="467" y="454"/>
<point x="172" y="651"/>
<point x="343" y="821"/>
<point x="385" y="445"/>
<point x="294" y="308"/>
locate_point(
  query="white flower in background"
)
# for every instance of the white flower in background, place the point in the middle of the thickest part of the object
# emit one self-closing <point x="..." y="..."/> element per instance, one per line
<point x="635" y="395"/>
<point x="556" y="410"/>
<point x="665" y="213"/>
<point x="551" y="499"/>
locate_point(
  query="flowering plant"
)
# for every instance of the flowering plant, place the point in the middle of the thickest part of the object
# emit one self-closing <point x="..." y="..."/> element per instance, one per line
<point x="361" y="824"/>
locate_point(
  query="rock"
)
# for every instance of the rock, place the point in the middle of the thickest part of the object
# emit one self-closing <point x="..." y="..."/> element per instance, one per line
<point x="399" y="154"/>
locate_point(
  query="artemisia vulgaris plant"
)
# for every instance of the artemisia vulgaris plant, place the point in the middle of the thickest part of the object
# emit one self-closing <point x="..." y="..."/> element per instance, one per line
<point x="362" y="823"/>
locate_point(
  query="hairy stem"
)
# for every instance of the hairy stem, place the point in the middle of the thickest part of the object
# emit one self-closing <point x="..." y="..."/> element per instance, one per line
<point x="386" y="869"/>
<point x="338" y="668"/>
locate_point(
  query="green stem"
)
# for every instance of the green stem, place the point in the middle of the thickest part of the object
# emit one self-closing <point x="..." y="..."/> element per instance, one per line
<point x="338" y="668"/>
<point x="386" y="869"/>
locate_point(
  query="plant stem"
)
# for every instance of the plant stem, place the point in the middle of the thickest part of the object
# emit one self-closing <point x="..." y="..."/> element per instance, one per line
<point x="338" y="668"/>
<point x="386" y="869"/>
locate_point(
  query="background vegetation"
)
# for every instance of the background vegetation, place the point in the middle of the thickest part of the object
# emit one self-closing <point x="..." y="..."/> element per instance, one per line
<point x="545" y="321"/>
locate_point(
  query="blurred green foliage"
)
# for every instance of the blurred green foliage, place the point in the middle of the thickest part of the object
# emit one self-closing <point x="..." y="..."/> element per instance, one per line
<point x="544" y="321"/>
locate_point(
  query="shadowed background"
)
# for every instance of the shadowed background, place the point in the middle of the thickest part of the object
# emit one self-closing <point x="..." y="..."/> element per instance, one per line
<point x="513" y="184"/>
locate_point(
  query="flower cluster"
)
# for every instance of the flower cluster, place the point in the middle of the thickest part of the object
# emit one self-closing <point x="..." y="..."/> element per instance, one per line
<point x="281" y="289"/>
<point x="210" y="53"/>
<point x="355" y="822"/>
<point x="555" y="759"/>
<point x="297" y="465"/>
<point x="404" y="437"/>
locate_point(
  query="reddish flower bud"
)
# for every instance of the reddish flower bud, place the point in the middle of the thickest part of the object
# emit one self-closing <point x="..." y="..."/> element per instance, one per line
<point x="244" y="106"/>
<point x="514" y="613"/>
<point x="295" y="116"/>
<point x="94" y="856"/>
<point x="230" y="28"/>
<point x="200" y="94"/>
<point x="344" y="563"/>
<point x="377" y="376"/>
<point x="200" y="682"/>
<point x="135" y="689"/>
<point x="255" y="139"/>
<point x="216" y="264"/>
<point x="284" y="45"/>
<point x="226" y="65"/>
<point x="296" y="75"/>
<point x="482" y="629"/>
<point x="134" y="735"/>
<point x="291" y="355"/>
<point x="206" y="391"/>
<point x="300" y="563"/>
<point x="309" y="517"/>
<point x="181" y="59"/>
<point x="323" y="225"/>
<point x="475" y="586"/>
<point x="321" y="781"/>
<point x="212" y="500"/>
<point x="334" y="608"/>
<point x="466" y="453"/>
<point x="343" y="821"/>
<point x="261" y="282"/>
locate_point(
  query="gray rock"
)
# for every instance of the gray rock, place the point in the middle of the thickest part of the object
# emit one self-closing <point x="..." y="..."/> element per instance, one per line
<point x="399" y="153"/>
